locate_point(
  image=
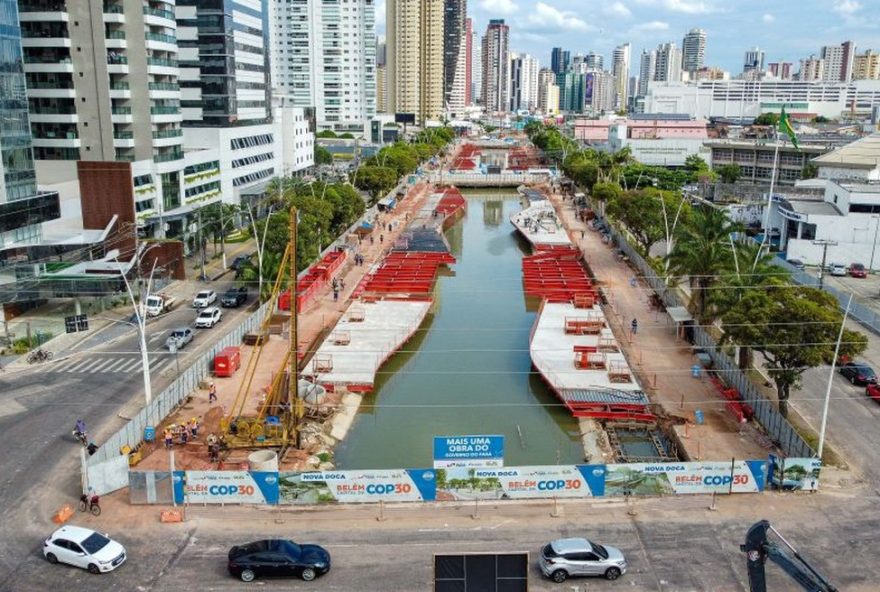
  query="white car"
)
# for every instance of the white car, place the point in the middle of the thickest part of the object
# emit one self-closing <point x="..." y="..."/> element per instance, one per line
<point x="85" y="548"/>
<point x="208" y="317"/>
<point x="204" y="298"/>
<point x="837" y="269"/>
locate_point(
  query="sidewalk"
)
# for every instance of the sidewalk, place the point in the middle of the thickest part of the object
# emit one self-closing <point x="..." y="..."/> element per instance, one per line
<point x="661" y="360"/>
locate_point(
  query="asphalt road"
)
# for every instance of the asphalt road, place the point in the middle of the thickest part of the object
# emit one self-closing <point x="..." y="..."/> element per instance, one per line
<point x="671" y="544"/>
<point x="39" y="464"/>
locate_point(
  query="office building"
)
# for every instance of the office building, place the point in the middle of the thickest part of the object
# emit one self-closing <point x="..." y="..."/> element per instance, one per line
<point x="747" y="99"/>
<point x="455" y="55"/>
<point x="594" y="61"/>
<point x="693" y="50"/>
<point x="560" y="60"/>
<point x="754" y="60"/>
<point x="469" y="62"/>
<point x="476" y="66"/>
<point x="866" y="66"/>
<point x="668" y="67"/>
<point x="523" y="82"/>
<point x="496" y="66"/>
<point x="414" y="45"/>
<point x="647" y="70"/>
<point x="381" y="89"/>
<point x="838" y="61"/>
<point x="325" y="55"/>
<point x="620" y="70"/>
<point x="599" y="92"/>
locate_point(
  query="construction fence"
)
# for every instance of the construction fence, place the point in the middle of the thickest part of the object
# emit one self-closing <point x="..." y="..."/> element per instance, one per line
<point x="777" y="427"/>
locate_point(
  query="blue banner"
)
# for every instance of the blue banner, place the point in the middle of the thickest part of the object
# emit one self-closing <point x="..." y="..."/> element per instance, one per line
<point x="468" y="451"/>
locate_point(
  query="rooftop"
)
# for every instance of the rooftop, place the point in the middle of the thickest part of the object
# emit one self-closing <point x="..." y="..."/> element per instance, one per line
<point x="864" y="153"/>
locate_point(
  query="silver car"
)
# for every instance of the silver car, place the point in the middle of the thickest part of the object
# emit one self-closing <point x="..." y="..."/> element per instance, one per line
<point x="563" y="558"/>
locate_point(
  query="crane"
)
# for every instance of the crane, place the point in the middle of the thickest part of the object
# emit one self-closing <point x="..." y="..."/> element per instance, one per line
<point x="759" y="549"/>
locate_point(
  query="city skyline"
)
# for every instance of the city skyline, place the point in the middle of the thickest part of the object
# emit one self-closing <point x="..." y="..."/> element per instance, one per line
<point x="536" y="26"/>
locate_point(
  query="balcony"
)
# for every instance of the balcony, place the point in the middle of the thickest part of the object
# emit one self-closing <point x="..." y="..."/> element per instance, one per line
<point x="121" y="115"/>
<point x="161" y="42"/>
<point x="158" y="17"/>
<point x="164" y="86"/>
<point x="171" y="133"/>
<point x="114" y="13"/>
<point x="162" y="67"/>
<point x="168" y="156"/>
<point x="38" y="64"/>
<point x="161" y="110"/>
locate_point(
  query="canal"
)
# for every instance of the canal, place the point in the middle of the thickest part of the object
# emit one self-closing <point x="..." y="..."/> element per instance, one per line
<point x="467" y="370"/>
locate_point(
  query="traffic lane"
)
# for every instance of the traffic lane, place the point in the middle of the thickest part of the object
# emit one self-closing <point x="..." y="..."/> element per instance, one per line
<point x="852" y="417"/>
<point x="866" y="289"/>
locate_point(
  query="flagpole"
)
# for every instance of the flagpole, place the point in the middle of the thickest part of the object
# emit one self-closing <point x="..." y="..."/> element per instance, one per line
<point x="769" y="195"/>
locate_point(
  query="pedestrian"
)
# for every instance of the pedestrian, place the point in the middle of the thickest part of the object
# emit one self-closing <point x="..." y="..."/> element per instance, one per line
<point x="211" y="439"/>
<point x="335" y="294"/>
<point x="389" y="228"/>
<point x="212" y="393"/>
<point x="194" y="427"/>
<point x="341" y="283"/>
<point x="381" y="238"/>
<point x="372" y="240"/>
<point x="214" y="450"/>
<point x="634" y="326"/>
<point x="583" y="233"/>
<point x="169" y="439"/>
<point x="633" y="281"/>
<point x="184" y="429"/>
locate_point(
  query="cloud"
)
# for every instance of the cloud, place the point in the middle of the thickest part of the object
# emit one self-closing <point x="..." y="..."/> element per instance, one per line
<point x="380" y="16"/>
<point x="686" y="6"/>
<point x="618" y="9"/>
<point x="499" y="6"/>
<point x="650" y="27"/>
<point x="549" y="18"/>
<point x="768" y="18"/>
<point x="846" y="7"/>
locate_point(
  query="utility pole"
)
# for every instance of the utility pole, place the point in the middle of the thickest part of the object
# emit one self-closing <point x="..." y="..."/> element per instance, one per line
<point x="825" y="243"/>
<point x="293" y="371"/>
<point x="201" y="245"/>
<point x="874" y="244"/>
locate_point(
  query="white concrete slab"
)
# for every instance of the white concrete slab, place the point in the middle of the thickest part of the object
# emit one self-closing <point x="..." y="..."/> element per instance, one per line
<point x="540" y="224"/>
<point x="386" y="326"/>
<point x="552" y="350"/>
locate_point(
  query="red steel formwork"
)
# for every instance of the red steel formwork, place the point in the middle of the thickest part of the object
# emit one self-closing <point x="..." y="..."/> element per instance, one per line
<point x="556" y="275"/>
<point x="451" y="203"/>
<point x="318" y="276"/>
<point x="468" y="151"/>
<point x="407" y="272"/>
<point x="463" y="164"/>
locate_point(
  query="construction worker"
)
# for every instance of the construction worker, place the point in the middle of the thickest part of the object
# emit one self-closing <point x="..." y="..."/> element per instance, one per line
<point x="194" y="427"/>
<point x="212" y="393"/>
<point x="169" y="438"/>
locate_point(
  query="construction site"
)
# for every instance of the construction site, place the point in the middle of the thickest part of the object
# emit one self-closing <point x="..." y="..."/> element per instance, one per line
<point x="362" y="302"/>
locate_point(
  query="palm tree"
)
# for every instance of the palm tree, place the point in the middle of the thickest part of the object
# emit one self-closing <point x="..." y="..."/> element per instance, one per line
<point x="703" y="253"/>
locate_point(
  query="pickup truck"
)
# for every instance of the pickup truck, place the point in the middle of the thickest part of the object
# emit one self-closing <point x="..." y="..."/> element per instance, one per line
<point x="234" y="297"/>
<point x="159" y="304"/>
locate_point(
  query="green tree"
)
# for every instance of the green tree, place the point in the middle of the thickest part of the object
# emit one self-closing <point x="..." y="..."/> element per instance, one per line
<point x="821" y="119"/>
<point x="793" y="328"/>
<point x="375" y="180"/>
<point x="607" y="192"/>
<point x="322" y="155"/>
<point x="767" y="119"/>
<point x="729" y="173"/>
<point x="326" y="134"/>
<point x="702" y="252"/>
<point x="810" y="171"/>
<point x="217" y="220"/>
<point x="641" y="212"/>
<point x="694" y="164"/>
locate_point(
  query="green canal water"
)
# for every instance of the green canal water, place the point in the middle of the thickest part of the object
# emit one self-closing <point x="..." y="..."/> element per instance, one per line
<point x="467" y="370"/>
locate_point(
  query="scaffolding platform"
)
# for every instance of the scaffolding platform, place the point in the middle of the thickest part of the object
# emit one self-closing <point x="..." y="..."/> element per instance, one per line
<point x="540" y="225"/>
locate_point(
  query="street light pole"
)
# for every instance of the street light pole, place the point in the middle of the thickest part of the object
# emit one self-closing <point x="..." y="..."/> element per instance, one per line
<point x="142" y="329"/>
<point x="874" y="244"/>
<point x="830" y="379"/>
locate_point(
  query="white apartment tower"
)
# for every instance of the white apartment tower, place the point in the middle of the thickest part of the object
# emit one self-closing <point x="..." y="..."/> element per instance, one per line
<point x="496" y="66"/>
<point x="753" y="60"/>
<point x="668" y="63"/>
<point x="693" y="50"/>
<point x="548" y="92"/>
<point x="523" y="91"/>
<point x="812" y="70"/>
<point x="620" y="70"/>
<point x="414" y="46"/>
<point x="838" y="62"/>
<point x="324" y="53"/>
<point x="647" y="70"/>
<point x="476" y="68"/>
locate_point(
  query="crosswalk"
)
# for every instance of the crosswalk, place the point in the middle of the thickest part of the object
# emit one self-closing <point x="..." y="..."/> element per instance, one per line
<point x="110" y="364"/>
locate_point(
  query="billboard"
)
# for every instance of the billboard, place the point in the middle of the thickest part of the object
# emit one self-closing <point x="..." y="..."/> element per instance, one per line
<point x="741" y="476"/>
<point x="794" y="474"/>
<point x="353" y="487"/>
<point x="225" y="487"/>
<point x="468" y="451"/>
<point x="575" y="481"/>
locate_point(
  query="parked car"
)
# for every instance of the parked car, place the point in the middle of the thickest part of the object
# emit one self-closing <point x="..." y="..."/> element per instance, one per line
<point x="797" y="264"/>
<point x="837" y="269"/>
<point x="208" y="317"/>
<point x="858" y="373"/>
<point x="873" y="391"/>
<point x="179" y="338"/>
<point x="278" y="558"/>
<point x="563" y="558"/>
<point x="84" y="548"/>
<point x="858" y="270"/>
<point x="204" y="298"/>
<point x="234" y="297"/>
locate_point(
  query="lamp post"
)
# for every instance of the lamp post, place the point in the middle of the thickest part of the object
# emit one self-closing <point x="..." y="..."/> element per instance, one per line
<point x="260" y="244"/>
<point x="874" y="244"/>
<point x="139" y="310"/>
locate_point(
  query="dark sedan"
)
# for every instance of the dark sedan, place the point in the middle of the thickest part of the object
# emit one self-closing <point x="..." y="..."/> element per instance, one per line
<point x="276" y="558"/>
<point x="858" y="373"/>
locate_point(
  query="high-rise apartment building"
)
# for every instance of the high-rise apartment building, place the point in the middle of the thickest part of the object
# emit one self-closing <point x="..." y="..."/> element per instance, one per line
<point x="599" y="92"/>
<point x="594" y="61"/>
<point x="620" y="70"/>
<point x="838" y="61"/>
<point x="476" y="68"/>
<point x="647" y="70"/>
<point x="496" y="66"/>
<point x="469" y="62"/>
<point x="455" y="54"/>
<point x="693" y="50"/>
<point x="523" y="82"/>
<point x="415" y="41"/>
<point x="325" y="55"/>
<point x="780" y="70"/>
<point x="556" y="60"/>
<point x="866" y="66"/>
<point x="812" y="69"/>
<point x="381" y="90"/>
<point x="668" y="67"/>
<point x="753" y="60"/>
<point x="546" y="103"/>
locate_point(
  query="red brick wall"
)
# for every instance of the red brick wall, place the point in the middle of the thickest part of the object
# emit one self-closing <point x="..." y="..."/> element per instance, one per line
<point x="168" y="255"/>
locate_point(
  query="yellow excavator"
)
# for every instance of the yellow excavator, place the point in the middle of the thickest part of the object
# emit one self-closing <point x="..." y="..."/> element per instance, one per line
<point x="275" y="420"/>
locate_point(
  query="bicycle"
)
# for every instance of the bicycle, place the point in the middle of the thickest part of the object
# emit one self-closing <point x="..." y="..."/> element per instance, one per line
<point x="39" y="355"/>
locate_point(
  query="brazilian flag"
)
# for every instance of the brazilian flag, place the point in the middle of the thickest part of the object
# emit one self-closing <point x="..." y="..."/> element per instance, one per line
<point x="785" y="127"/>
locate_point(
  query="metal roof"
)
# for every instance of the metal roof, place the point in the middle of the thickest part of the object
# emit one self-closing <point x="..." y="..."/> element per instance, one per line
<point x="864" y="153"/>
<point x="605" y="395"/>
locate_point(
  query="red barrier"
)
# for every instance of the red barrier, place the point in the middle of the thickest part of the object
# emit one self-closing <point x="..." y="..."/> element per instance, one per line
<point x="316" y="278"/>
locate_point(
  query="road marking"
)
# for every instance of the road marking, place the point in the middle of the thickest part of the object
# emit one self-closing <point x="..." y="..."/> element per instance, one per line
<point x="130" y="365"/>
<point x="11" y="407"/>
<point x="78" y="366"/>
<point x="116" y="365"/>
<point x="102" y="365"/>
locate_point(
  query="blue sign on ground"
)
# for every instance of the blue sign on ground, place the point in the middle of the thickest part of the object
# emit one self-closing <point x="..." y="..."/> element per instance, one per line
<point x="468" y="451"/>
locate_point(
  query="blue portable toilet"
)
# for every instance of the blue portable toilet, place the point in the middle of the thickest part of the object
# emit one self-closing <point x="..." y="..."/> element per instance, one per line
<point x="149" y="433"/>
<point x="695" y="370"/>
<point x="698" y="416"/>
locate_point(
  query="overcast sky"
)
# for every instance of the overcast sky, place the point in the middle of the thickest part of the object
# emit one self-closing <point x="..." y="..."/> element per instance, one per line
<point x="786" y="29"/>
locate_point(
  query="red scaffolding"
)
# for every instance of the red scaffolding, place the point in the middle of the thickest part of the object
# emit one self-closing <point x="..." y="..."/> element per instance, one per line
<point x="406" y="272"/>
<point x="557" y="275"/>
